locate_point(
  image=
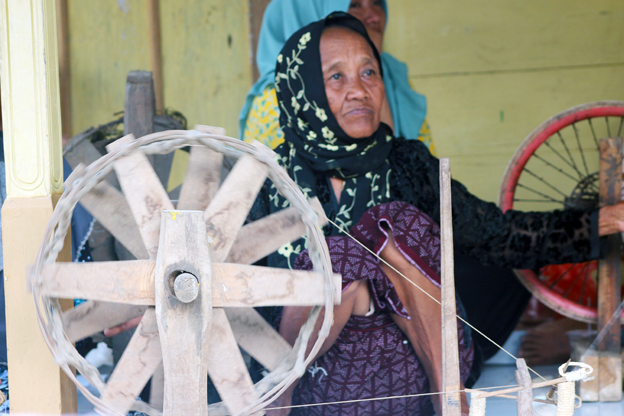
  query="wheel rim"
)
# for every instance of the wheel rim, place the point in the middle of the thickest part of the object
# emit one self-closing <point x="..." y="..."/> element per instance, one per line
<point x="556" y="167"/>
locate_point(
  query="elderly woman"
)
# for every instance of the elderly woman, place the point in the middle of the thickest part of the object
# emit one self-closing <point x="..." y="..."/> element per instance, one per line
<point x="403" y="109"/>
<point x="329" y="83"/>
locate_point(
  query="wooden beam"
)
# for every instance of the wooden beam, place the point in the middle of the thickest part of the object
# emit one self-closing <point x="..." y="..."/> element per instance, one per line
<point x="34" y="179"/>
<point x="62" y="24"/>
<point x="451" y="404"/>
<point x="156" y="52"/>
<point x="184" y="326"/>
<point x="525" y="396"/>
<point x="610" y="367"/>
<point x="256" y="13"/>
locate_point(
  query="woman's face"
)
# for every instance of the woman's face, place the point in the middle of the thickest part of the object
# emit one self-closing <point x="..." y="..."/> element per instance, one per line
<point x="371" y="13"/>
<point x="353" y="83"/>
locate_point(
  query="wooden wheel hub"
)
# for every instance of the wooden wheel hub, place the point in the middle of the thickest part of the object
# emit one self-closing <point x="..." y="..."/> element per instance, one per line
<point x="192" y="281"/>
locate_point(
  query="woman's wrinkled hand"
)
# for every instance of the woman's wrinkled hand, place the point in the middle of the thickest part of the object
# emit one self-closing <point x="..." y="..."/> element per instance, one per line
<point x="611" y="219"/>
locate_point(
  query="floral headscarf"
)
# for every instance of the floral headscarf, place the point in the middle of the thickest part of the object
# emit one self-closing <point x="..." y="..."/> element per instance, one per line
<point x="316" y="146"/>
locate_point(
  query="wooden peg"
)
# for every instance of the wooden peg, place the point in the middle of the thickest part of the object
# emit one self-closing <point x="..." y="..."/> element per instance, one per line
<point x="525" y="396"/>
<point x="451" y="405"/>
<point x="609" y="282"/>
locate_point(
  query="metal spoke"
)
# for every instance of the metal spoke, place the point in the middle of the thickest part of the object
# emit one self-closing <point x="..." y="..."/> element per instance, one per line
<point x="620" y="128"/>
<point x="539" y="193"/>
<point x="539" y="178"/>
<point x="608" y="127"/>
<point x="565" y="146"/>
<point x="578" y="142"/>
<point x="591" y="126"/>
<point x="575" y="280"/>
<point x="558" y="279"/>
<point x="532" y="200"/>
<point x="554" y="167"/>
<point x="580" y="175"/>
<point x="583" y="287"/>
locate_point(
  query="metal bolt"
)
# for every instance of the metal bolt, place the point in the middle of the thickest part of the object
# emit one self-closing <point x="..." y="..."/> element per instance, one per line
<point x="186" y="287"/>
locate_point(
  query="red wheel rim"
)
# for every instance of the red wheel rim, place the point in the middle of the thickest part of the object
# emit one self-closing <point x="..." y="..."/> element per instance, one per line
<point x="542" y="285"/>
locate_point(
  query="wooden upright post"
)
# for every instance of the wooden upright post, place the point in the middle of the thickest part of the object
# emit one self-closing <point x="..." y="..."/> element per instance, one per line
<point x="610" y="360"/>
<point x="34" y="179"/>
<point x="451" y="405"/>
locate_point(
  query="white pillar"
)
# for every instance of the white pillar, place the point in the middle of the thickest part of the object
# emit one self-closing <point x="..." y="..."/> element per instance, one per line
<point x="34" y="175"/>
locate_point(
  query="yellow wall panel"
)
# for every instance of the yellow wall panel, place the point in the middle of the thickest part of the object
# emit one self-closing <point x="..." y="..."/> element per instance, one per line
<point x="479" y="120"/>
<point x="448" y="36"/>
<point x="206" y="69"/>
<point x="107" y="39"/>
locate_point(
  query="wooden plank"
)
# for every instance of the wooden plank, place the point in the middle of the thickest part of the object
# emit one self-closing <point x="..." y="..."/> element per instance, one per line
<point x="111" y="281"/>
<point x="143" y="191"/>
<point x="62" y="28"/>
<point x="233" y="285"/>
<point x="203" y="175"/>
<point x="140" y="359"/>
<point x="92" y="317"/>
<point x="451" y="405"/>
<point x="156" y="52"/>
<point x="503" y="36"/>
<point x="183" y="326"/>
<point x="140" y="106"/>
<point x="525" y="396"/>
<point x="261" y="238"/>
<point x="254" y="334"/>
<point x="112" y="211"/>
<point x="256" y="13"/>
<point x="228" y="211"/>
<point x="157" y="388"/>
<point x="226" y="366"/>
<point x="610" y="375"/>
<point x="242" y="285"/>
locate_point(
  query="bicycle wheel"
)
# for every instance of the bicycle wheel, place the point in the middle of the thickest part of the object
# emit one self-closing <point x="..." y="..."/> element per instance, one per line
<point x="556" y="167"/>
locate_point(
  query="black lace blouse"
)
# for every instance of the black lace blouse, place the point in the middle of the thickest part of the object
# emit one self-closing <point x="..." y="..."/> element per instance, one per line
<point x="515" y="239"/>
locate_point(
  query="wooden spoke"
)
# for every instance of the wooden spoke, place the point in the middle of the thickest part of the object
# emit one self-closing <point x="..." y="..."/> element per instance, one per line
<point x="111" y="281"/>
<point x="157" y="388"/>
<point x="111" y="209"/>
<point x="92" y="317"/>
<point x="226" y="366"/>
<point x="203" y="175"/>
<point x="261" y="238"/>
<point x="227" y="212"/>
<point x="242" y="285"/>
<point x="254" y="334"/>
<point x="140" y="359"/>
<point x="144" y="192"/>
<point x="183" y="322"/>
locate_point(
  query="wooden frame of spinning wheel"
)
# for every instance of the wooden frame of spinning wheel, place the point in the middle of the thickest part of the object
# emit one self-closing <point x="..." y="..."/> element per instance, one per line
<point x="212" y="245"/>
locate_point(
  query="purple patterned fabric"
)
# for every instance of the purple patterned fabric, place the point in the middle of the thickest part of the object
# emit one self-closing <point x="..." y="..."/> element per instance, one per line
<point x="372" y="357"/>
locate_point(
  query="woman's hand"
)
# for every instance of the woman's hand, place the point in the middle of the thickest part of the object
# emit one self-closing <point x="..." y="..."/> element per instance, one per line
<point x="611" y="219"/>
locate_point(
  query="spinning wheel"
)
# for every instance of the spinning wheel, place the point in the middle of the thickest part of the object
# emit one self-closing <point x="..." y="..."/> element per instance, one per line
<point x="556" y="167"/>
<point x="191" y="282"/>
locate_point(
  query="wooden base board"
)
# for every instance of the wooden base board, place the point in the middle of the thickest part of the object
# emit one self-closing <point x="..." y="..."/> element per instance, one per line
<point x="607" y="383"/>
<point x="37" y="384"/>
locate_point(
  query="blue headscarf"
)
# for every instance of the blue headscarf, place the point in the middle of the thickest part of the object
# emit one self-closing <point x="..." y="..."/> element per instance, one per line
<point x="282" y="18"/>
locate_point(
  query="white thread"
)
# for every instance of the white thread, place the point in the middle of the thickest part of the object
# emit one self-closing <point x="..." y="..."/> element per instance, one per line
<point x="565" y="399"/>
<point x="579" y="374"/>
<point x="317" y="369"/>
<point x="477" y="404"/>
